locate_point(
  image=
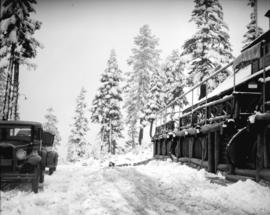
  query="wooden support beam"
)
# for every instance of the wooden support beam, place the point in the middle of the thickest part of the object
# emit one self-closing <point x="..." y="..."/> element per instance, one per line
<point x="195" y="161"/>
<point x="190" y="147"/>
<point x="164" y="147"/>
<point x="168" y="146"/>
<point x="217" y="144"/>
<point x="210" y="152"/>
<point x="202" y="164"/>
<point x="184" y="159"/>
<point x="154" y="148"/>
<point x="213" y="74"/>
<point x="178" y="148"/>
<point x="159" y="147"/>
<point x="235" y="178"/>
<point x="265" y="149"/>
<point x="259" y="155"/>
<point x="263" y="173"/>
<point x="161" y="157"/>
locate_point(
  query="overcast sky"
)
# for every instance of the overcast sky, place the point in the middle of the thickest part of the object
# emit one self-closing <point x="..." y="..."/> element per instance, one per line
<point x="78" y="35"/>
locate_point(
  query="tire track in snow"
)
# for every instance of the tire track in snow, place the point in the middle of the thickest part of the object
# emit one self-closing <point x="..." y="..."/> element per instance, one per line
<point x="141" y="193"/>
<point x="150" y="196"/>
<point x="153" y="189"/>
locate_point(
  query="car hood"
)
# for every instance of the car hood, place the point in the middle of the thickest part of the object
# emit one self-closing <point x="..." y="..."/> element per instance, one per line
<point x="14" y="144"/>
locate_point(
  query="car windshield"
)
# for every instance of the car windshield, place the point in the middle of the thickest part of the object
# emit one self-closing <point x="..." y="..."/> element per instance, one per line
<point x="15" y="133"/>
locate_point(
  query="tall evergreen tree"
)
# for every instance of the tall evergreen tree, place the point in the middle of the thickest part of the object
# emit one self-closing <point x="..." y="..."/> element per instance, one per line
<point x="50" y="125"/>
<point x="4" y="59"/>
<point x="106" y="105"/>
<point x="155" y="97"/>
<point x="174" y="78"/>
<point x="144" y="61"/>
<point x="253" y="30"/>
<point x="209" y="47"/>
<point x="77" y="143"/>
<point x="16" y="37"/>
<point x="3" y="74"/>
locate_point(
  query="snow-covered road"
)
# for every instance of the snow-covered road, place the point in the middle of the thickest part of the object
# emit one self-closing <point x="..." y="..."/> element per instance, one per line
<point x="156" y="188"/>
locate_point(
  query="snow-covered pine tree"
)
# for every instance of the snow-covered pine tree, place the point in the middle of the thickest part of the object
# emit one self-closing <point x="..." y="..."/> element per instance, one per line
<point x="3" y="74"/>
<point x="174" y="78"/>
<point x="155" y="97"/>
<point x="18" y="45"/>
<point x="174" y="83"/>
<point x="253" y="30"/>
<point x="144" y="61"/>
<point x="106" y="105"/>
<point x="77" y="143"/>
<point x="50" y="125"/>
<point x="209" y="47"/>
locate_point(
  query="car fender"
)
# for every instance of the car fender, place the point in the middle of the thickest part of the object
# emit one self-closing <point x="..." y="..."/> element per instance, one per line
<point x="34" y="159"/>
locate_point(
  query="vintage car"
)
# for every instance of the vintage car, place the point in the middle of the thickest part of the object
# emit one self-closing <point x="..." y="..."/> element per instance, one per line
<point x="20" y="153"/>
<point x="51" y="156"/>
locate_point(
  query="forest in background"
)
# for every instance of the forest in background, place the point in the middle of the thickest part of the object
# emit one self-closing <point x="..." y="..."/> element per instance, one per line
<point x="126" y="100"/>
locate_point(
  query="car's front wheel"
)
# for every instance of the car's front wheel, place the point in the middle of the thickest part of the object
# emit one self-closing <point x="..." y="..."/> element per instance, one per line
<point x="42" y="173"/>
<point x="36" y="178"/>
<point x="51" y="170"/>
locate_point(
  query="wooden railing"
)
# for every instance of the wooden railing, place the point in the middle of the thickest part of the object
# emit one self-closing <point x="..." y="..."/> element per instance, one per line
<point x="163" y="113"/>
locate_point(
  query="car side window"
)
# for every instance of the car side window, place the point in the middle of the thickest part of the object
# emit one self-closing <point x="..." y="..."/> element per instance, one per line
<point x="20" y="134"/>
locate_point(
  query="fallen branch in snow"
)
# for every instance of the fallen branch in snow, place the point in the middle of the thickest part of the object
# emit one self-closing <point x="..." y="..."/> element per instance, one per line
<point x="133" y="164"/>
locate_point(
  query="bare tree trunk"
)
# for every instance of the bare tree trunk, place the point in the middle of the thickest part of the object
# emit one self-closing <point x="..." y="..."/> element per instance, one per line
<point x="16" y="90"/>
<point x="133" y="140"/>
<point x="140" y="136"/>
<point x="13" y="90"/>
<point x="5" y="114"/>
<point x="113" y="147"/>
<point x="102" y="138"/>
<point x="9" y="94"/>
<point x="110" y="137"/>
<point x="140" y="133"/>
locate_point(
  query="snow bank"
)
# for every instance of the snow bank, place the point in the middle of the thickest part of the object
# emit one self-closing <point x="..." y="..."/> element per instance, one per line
<point x="242" y="197"/>
<point x="250" y="196"/>
<point x="160" y="187"/>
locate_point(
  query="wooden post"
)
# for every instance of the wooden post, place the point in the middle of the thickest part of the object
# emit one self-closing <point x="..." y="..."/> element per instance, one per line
<point x="178" y="147"/>
<point x="158" y="147"/>
<point x="169" y="145"/>
<point x="259" y="155"/>
<point x="234" y="80"/>
<point x="265" y="149"/>
<point x="210" y="153"/>
<point x="190" y="147"/>
<point x="154" y="147"/>
<point x="217" y="143"/>
<point x="264" y="76"/>
<point x="203" y="142"/>
<point x="164" y="147"/>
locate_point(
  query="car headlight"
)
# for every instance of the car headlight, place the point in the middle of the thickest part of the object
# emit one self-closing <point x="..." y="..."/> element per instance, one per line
<point x="21" y="154"/>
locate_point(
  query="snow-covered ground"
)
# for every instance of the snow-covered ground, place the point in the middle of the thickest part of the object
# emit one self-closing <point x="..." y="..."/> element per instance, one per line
<point x="160" y="187"/>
